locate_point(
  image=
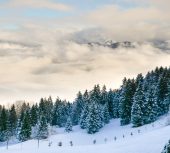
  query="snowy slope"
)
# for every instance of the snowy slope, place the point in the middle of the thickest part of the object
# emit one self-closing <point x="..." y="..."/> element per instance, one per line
<point x="147" y="139"/>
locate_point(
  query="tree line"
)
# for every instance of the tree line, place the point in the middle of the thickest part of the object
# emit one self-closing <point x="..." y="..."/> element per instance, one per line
<point x="138" y="101"/>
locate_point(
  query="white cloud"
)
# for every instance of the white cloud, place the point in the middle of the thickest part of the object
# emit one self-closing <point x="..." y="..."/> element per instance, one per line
<point x="61" y="67"/>
<point x="47" y="4"/>
<point x="44" y="58"/>
<point x="140" y="23"/>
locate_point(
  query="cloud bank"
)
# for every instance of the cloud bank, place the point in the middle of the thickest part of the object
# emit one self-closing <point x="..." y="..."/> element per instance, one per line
<point x="52" y="56"/>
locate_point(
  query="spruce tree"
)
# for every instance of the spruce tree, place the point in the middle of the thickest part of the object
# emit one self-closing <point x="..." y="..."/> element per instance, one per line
<point x="83" y="118"/>
<point x="34" y="115"/>
<point x="68" y="126"/>
<point x="94" y="122"/>
<point x="126" y="99"/>
<point x="162" y="88"/>
<point x="110" y="104"/>
<point x="4" y="124"/>
<point x="116" y="96"/>
<point x="151" y="106"/>
<point x="104" y="96"/>
<point x="166" y="148"/>
<point x="56" y="113"/>
<point x="49" y="110"/>
<point x="25" y="132"/>
<point x="105" y="113"/>
<point x="78" y="108"/>
<point x="12" y="120"/>
<point x="43" y="131"/>
<point x="138" y="101"/>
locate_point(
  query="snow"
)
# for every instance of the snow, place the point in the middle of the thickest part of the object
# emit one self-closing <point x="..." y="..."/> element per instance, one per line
<point x="150" y="138"/>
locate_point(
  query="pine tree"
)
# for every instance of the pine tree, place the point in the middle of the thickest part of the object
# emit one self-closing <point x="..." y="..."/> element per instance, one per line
<point x="166" y="148"/>
<point x="104" y="96"/>
<point x="126" y="99"/>
<point x="137" y="114"/>
<point x="68" y="126"/>
<point x="84" y="114"/>
<point x="43" y="131"/>
<point x="94" y="122"/>
<point x="95" y="94"/>
<point x="12" y="120"/>
<point x="49" y="110"/>
<point x="116" y="95"/>
<point x="25" y="132"/>
<point x="34" y="115"/>
<point x="110" y="104"/>
<point x="106" y="115"/>
<point x="56" y="115"/>
<point x="83" y="118"/>
<point x="4" y="125"/>
<point x="78" y="108"/>
<point x="151" y="106"/>
<point x="162" y="94"/>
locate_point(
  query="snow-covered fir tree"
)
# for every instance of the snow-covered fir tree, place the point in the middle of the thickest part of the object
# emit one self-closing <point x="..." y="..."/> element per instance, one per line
<point x="25" y="132"/>
<point x="94" y="122"/>
<point x="78" y="108"/>
<point x="3" y="124"/>
<point x="43" y="131"/>
<point x="152" y="105"/>
<point x="83" y="118"/>
<point x="126" y="99"/>
<point x="105" y="113"/>
<point x="12" y="120"/>
<point x="68" y="126"/>
<point x="138" y="101"/>
<point x="166" y="148"/>
<point x="110" y="104"/>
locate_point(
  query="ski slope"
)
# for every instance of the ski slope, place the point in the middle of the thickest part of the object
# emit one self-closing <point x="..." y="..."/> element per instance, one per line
<point x="146" y="139"/>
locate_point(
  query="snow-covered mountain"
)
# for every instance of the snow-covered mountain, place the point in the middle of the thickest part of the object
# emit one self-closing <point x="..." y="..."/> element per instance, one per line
<point x="162" y="45"/>
<point x="114" y="44"/>
<point x="113" y="138"/>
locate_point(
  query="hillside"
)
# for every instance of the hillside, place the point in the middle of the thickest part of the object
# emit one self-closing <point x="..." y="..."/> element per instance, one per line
<point x="146" y="139"/>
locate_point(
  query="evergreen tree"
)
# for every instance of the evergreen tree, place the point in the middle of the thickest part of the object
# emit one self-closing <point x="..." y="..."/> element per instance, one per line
<point x="25" y="132"/>
<point x="83" y="118"/>
<point x="126" y="99"/>
<point x="166" y="148"/>
<point x="68" y="126"/>
<point x="94" y="122"/>
<point x="4" y="124"/>
<point x="104" y="96"/>
<point x="162" y="93"/>
<point x="137" y="114"/>
<point x="151" y="106"/>
<point x="78" y="108"/>
<point x="110" y="104"/>
<point x="43" y="131"/>
<point x="84" y="114"/>
<point x="34" y="115"/>
<point x="116" y="95"/>
<point x="56" y="113"/>
<point x="106" y="115"/>
<point x="95" y="94"/>
<point x="49" y="110"/>
<point x="12" y="120"/>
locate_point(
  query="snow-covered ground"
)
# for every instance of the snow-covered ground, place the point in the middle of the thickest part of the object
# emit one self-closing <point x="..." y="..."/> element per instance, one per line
<point x="146" y="139"/>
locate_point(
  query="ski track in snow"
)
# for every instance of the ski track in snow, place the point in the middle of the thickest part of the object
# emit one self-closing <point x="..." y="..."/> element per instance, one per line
<point x="146" y="139"/>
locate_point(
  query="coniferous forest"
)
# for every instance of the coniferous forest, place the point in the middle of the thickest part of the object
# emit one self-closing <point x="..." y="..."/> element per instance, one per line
<point x="138" y="101"/>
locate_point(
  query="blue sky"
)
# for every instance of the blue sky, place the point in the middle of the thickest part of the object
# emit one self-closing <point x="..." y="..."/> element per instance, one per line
<point x="19" y="10"/>
<point x="77" y="5"/>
